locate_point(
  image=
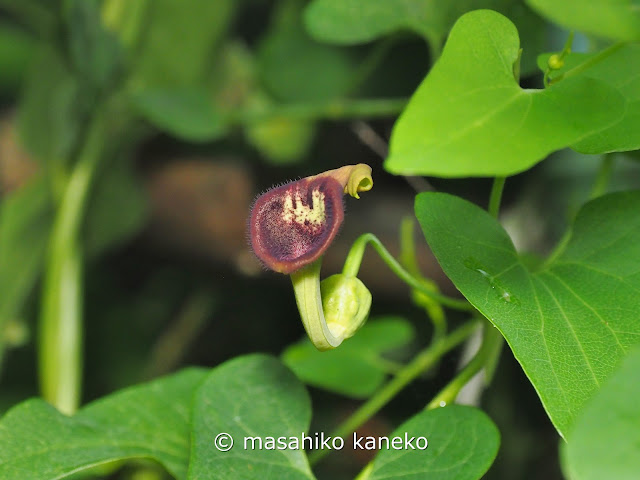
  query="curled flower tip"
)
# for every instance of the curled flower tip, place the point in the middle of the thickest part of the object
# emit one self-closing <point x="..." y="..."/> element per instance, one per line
<point x="292" y="225"/>
<point x="353" y="178"/>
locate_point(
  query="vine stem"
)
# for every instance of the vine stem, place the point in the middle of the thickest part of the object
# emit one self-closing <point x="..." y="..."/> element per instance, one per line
<point x="371" y="62"/>
<point x="603" y="177"/>
<point x="354" y="259"/>
<point x="487" y="356"/>
<point x="492" y="342"/>
<point x="421" y="362"/>
<point x="336" y="110"/>
<point x="408" y="260"/>
<point x="492" y="339"/>
<point x="60" y="332"/>
<point x="496" y="196"/>
<point x="607" y="52"/>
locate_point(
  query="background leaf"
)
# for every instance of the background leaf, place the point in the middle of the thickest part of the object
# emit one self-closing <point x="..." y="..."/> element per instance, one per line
<point x="102" y="431"/>
<point x="51" y="112"/>
<point x="463" y="442"/>
<point x="470" y="98"/>
<point x="16" y="51"/>
<point x="570" y="322"/>
<point x="178" y="41"/>
<point x="617" y="19"/>
<point x="281" y="140"/>
<point x="610" y="418"/>
<point x="295" y="68"/>
<point x="362" y="353"/>
<point x="253" y="396"/>
<point x="350" y="22"/>
<point x="187" y="113"/>
<point x="95" y="52"/>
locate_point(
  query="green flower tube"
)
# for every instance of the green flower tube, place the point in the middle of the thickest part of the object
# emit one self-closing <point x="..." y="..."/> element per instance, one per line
<point x="291" y="226"/>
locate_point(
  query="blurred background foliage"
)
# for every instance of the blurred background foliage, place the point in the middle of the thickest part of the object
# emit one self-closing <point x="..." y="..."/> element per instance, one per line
<point x="134" y="135"/>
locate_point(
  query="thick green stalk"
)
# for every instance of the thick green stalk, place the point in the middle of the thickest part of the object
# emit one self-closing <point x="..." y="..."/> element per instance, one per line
<point x="422" y="361"/>
<point x="306" y="287"/>
<point x="496" y="196"/>
<point x="60" y="333"/>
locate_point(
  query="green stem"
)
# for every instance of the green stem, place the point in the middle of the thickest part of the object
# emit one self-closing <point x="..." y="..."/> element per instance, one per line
<point x="354" y="259"/>
<point x="371" y="62"/>
<point x="603" y="177"/>
<point x="422" y="361"/>
<point x="365" y="472"/>
<point x="558" y="249"/>
<point x="173" y="345"/>
<point x="492" y="339"/>
<point x="306" y="288"/>
<point x="492" y="342"/>
<point x="60" y="347"/>
<point x="607" y="52"/>
<point x="559" y="59"/>
<point x="496" y="196"/>
<point x="335" y="110"/>
<point x="408" y="260"/>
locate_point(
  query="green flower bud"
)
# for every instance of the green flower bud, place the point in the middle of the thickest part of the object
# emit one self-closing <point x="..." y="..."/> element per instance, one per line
<point x="346" y="303"/>
<point x="555" y="62"/>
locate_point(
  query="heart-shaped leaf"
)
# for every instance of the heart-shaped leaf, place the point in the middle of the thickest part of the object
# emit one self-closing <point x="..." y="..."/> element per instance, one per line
<point x="568" y="323"/>
<point x="611" y="418"/>
<point x="362" y="352"/>
<point x="254" y="400"/>
<point x="617" y="19"/>
<point x="470" y="117"/>
<point x="39" y="443"/>
<point x="462" y="444"/>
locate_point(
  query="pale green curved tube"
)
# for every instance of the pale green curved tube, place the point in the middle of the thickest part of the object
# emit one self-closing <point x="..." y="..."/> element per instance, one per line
<point x="306" y="286"/>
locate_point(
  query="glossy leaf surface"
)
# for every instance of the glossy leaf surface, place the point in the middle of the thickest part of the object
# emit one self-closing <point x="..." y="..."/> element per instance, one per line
<point x="568" y="323"/>
<point x="469" y="117"/>
<point x="463" y="442"/>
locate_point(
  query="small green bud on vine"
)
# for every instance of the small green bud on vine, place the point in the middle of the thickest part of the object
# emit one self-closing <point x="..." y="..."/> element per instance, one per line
<point x="292" y="225"/>
<point x="555" y="62"/>
<point x="346" y="303"/>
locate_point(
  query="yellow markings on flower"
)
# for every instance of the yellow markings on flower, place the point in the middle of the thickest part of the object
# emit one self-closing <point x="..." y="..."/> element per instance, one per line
<point x="295" y="210"/>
